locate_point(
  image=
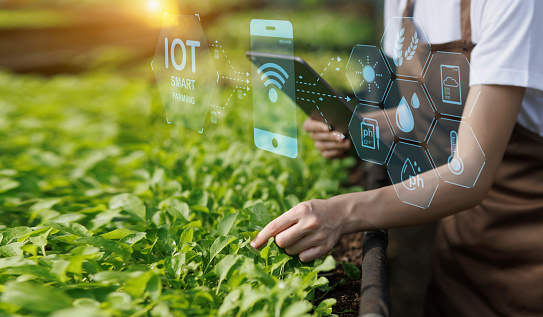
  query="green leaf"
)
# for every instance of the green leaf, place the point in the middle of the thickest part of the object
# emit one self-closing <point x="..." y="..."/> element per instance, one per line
<point x="129" y="203"/>
<point x="224" y="266"/>
<point x="41" y="239"/>
<point x="251" y="296"/>
<point x="104" y="218"/>
<point x="174" y="264"/>
<point x="8" y="184"/>
<point x="41" y="206"/>
<point x="44" y="204"/>
<point x="292" y="200"/>
<point x="119" y="300"/>
<point x="298" y="309"/>
<point x="72" y="228"/>
<point x="154" y="287"/>
<point x="178" y="209"/>
<point x="231" y="302"/>
<point x="351" y="270"/>
<point x="226" y="223"/>
<point x="327" y="265"/>
<point x="110" y="277"/>
<point x="198" y="197"/>
<point x="219" y="244"/>
<point x="135" y="286"/>
<point x="80" y="312"/>
<point x="280" y="261"/>
<point x="14" y="261"/>
<point x="67" y="218"/>
<point x="35" y="297"/>
<point x="133" y="238"/>
<point x="117" y="234"/>
<point x="117" y="247"/>
<point x="187" y="235"/>
<point x="260" y="216"/>
<point x="325" y="307"/>
<point x="15" y="233"/>
<point x="12" y="249"/>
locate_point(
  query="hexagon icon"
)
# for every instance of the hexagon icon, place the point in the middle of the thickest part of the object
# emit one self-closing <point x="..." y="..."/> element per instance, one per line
<point x="371" y="134"/>
<point x="184" y="71"/>
<point x="454" y="149"/>
<point x="406" y="46"/>
<point x="448" y="79"/>
<point x="409" y="110"/>
<point x="368" y="73"/>
<point x="412" y="175"/>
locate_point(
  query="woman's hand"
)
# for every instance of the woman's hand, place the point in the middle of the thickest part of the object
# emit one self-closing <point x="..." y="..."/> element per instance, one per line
<point x="331" y="144"/>
<point x="310" y="229"/>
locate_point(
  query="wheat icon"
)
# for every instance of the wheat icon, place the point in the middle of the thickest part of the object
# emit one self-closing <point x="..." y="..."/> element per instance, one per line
<point x="398" y="48"/>
<point x="412" y="47"/>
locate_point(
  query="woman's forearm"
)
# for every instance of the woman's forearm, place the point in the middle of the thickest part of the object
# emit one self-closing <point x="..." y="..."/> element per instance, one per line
<point x="493" y="119"/>
<point x="382" y="209"/>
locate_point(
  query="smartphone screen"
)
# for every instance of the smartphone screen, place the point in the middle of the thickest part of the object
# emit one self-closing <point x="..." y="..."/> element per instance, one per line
<point x="450" y="85"/>
<point x="274" y="111"/>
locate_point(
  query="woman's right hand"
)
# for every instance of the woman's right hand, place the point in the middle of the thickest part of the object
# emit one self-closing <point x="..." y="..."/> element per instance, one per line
<point x="331" y="144"/>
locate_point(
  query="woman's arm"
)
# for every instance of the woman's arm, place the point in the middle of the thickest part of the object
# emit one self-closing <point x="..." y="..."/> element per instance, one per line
<point x="312" y="228"/>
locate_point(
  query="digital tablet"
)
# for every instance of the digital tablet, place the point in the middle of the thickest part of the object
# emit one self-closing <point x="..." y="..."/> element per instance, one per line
<point x="313" y="94"/>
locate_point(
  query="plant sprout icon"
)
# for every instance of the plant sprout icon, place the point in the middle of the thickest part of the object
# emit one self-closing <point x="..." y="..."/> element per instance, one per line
<point x="368" y="73"/>
<point x="404" y="115"/>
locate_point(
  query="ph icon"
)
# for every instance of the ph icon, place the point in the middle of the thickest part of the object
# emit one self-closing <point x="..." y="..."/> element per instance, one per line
<point x="410" y="175"/>
<point x="370" y="133"/>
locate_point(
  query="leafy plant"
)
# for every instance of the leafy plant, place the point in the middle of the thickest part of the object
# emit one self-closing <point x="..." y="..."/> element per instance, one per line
<point x="107" y="211"/>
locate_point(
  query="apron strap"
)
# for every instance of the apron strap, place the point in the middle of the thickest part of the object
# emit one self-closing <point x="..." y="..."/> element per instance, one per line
<point x="464" y="45"/>
<point x="465" y="17"/>
<point x="465" y="21"/>
<point x="408" y="13"/>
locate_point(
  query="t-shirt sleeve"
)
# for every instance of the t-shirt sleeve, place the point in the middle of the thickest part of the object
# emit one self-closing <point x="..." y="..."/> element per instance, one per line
<point x="509" y="49"/>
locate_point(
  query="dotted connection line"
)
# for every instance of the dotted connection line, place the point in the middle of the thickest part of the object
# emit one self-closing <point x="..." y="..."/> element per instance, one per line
<point x="241" y="83"/>
<point x="304" y="83"/>
<point x="219" y="47"/>
<point x="237" y="79"/>
<point x="318" y="79"/>
<point x="325" y="68"/>
<point x="232" y="94"/>
<point x="322" y="115"/>
<point x="324" y="95"/>
<point x="315" y="93"/>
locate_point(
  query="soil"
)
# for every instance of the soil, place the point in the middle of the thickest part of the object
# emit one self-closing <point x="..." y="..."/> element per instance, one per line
<point x="346" y="291"/>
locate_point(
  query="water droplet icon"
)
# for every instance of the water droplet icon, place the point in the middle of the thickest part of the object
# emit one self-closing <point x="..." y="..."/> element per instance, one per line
<point x="415" y="103"/>
<point x="404" y="116"/>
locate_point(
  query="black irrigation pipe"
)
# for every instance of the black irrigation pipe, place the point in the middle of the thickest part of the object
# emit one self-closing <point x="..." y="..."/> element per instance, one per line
<point x="374" y="292"/>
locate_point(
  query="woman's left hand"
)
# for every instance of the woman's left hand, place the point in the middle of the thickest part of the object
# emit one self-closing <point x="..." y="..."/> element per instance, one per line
<point x="310" y="229"/>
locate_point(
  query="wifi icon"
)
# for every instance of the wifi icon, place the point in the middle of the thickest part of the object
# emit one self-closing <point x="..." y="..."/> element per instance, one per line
<point x="272" y="76"/>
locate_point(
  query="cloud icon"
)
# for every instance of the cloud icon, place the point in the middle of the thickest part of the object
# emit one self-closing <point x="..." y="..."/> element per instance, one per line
<point x="450" y="82"/>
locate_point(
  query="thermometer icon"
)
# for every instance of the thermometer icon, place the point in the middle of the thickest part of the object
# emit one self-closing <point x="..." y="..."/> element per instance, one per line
<point x="456" y="166"/>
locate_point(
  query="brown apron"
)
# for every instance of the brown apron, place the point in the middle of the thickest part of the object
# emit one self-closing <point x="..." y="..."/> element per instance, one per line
<point x="488" y="261"/>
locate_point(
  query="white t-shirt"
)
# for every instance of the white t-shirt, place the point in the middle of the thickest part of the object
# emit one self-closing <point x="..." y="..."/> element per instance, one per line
<point x="509" y="38"/>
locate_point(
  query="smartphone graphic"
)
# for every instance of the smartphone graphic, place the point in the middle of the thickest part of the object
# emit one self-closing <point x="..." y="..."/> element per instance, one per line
<point x="451" y="91"/>
<point x="274" y="112"/>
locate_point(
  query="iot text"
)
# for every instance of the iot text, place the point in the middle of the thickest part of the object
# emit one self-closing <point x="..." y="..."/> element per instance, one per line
<point x="170" y="53"/>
